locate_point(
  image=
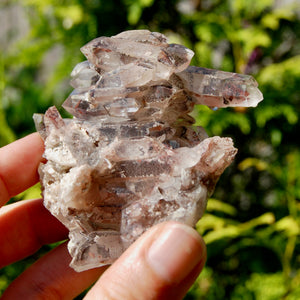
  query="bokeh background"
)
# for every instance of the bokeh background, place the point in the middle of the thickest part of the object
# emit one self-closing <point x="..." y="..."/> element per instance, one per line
<point x="252" y="223"/>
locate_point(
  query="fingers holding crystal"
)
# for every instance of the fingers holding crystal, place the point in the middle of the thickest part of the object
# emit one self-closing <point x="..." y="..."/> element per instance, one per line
<point x="19" y="162"/>
<point x="168" y="258"/>
<point x="25" y="226"/>
<point x="51" y="278"/>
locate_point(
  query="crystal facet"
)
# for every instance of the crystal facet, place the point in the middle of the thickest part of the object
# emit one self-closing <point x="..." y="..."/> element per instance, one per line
<point x="130" y="158"/>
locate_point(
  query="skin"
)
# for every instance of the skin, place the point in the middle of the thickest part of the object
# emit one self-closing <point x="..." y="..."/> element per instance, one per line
<point x="162" y="264"/>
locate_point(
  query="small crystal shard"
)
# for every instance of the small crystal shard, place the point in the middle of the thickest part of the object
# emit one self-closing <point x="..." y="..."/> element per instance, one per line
<point x="130" y="157"/>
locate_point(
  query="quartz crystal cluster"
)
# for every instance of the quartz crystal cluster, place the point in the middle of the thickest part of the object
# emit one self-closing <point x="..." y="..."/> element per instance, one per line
<point x="130" y="157"/>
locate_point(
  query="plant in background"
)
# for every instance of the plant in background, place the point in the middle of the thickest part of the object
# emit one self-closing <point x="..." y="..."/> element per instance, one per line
<point x="252" y="225"/>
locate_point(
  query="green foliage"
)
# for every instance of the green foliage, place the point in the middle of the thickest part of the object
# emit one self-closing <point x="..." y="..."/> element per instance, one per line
<point x="252" y="225"/>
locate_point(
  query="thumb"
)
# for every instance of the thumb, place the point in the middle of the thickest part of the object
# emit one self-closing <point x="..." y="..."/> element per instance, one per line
<point x="162" y="264"/>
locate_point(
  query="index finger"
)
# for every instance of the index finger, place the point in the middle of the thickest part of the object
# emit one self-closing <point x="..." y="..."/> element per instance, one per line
<point x="19" y="162"/>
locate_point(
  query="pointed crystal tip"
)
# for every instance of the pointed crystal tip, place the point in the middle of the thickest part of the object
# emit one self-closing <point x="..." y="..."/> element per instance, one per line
<point x="255" y="96"/>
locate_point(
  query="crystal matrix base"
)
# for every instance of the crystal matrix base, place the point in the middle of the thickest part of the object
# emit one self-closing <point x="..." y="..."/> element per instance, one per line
<point x="130" y="158"/>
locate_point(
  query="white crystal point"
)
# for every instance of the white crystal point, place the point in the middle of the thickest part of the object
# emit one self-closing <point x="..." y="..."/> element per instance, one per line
<point x="130" y="158"/>
<point x="254" y="95"/>
<point x="220" y="89"/>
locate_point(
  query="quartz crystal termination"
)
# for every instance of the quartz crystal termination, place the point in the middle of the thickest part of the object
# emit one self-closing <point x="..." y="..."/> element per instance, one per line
<point x="130" y="158"/>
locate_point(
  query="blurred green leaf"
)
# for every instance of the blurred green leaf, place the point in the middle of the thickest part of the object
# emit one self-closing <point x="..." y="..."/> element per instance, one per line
<point x="249" y="162"/>
<point x="70" y="15"/>
<point x="135" y="9"/>
<point x="221" y="228"/>
<point x="267" y="113"/>
<point x="289" y="225"/>
<point x="217" y="205"/>
<point x="262" y="286"/>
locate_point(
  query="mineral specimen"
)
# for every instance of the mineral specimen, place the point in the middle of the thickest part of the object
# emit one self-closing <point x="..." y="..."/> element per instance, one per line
<point x="130" y="157"/>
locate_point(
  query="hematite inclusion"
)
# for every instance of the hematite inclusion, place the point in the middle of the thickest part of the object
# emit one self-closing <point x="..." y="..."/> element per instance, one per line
<point x="130" y="158"/>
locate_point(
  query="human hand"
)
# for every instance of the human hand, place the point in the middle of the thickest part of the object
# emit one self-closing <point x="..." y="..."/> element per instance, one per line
<point x="161" y="264"/>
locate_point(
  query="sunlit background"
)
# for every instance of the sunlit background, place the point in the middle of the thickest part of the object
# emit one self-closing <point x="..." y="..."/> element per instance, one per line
<point x="251" y="226"/>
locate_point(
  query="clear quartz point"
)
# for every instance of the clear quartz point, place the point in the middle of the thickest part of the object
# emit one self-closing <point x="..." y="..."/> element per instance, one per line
<point x="131" y="157"/>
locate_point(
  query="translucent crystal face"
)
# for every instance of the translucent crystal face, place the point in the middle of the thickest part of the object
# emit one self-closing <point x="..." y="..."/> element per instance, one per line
<point x="130" y="158"/>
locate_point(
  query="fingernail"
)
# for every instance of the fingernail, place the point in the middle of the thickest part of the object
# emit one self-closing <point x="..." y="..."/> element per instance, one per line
<point x="175" y="252"/>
